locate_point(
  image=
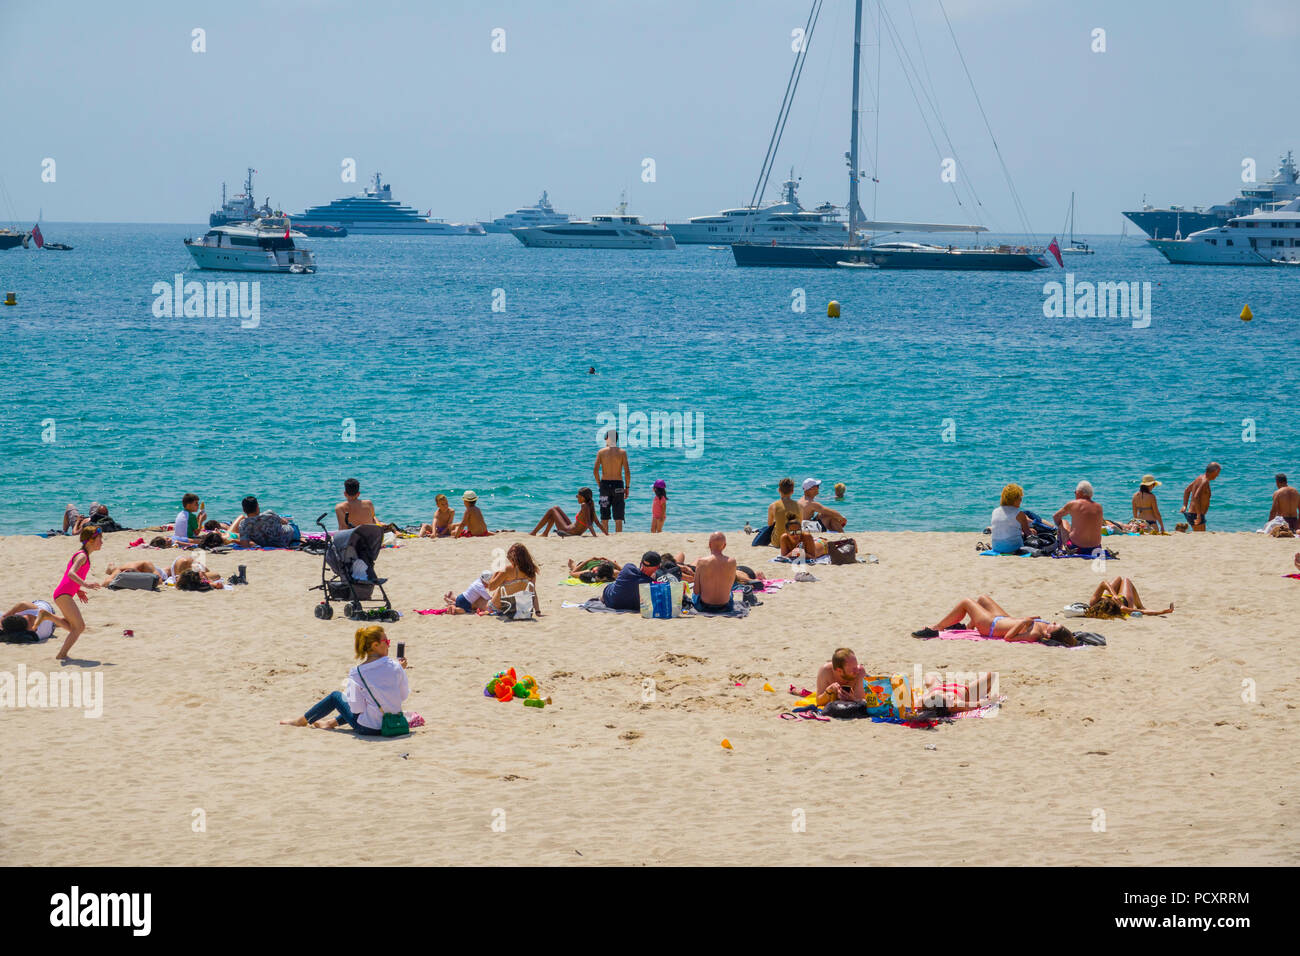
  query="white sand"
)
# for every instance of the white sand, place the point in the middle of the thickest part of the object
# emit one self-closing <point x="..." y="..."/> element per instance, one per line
<point x="1151" y="730"/>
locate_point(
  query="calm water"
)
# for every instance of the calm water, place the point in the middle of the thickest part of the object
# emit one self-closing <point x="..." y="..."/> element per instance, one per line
<point x="399" y="336"/>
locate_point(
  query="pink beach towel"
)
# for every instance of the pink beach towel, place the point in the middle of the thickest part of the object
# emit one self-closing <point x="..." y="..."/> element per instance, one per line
<point x="965" y="634"/>
<point x="434" y="610"/>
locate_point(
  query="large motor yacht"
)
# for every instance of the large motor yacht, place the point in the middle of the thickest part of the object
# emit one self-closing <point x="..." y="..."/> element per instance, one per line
<point x="263" y="245"/>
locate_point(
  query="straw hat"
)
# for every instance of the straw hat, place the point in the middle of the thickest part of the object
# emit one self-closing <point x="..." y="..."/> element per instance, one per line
<point x="1149" y="481"/>
<point x="469" y="497"/>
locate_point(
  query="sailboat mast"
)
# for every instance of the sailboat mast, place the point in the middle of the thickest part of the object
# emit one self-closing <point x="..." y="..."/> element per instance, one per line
<point x="855" y="211"/>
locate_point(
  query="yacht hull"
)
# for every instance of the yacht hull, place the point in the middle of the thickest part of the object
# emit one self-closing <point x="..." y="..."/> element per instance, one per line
<point x="230" y="259"/>
<point x="1193" y="252"/>
<point x="539" y="238"/>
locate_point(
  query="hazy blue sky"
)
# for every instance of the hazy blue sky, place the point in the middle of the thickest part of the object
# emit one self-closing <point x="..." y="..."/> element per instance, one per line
<point x="144" y="129"/>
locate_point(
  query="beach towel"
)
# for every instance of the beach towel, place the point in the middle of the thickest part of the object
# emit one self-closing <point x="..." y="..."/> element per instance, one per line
<point x="578" y="582"/>
<point x="738" y="609"/>
<point x="433" y="610"/>
<point x="1297" y="576"/>
<point x="1110" y="555"/>
<point x="1022" y="553"/>
<point x="782" y="559"/>
<point x="596" y="604"/>
<point x="1085" y="638"/>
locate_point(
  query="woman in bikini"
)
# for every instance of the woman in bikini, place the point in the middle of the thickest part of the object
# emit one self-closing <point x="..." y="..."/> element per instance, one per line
<point x="557" y="519"/>
<point x="73" y="585"/>
<point x="443" y="518"/>
<point x="1123" y="592"/>
<point x="989" y="619"/>
<point x="519" y="574"/>
<point x="1145" y="506"/>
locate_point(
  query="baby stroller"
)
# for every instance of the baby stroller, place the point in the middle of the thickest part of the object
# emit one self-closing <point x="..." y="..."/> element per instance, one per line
<point x="348" y="574"/>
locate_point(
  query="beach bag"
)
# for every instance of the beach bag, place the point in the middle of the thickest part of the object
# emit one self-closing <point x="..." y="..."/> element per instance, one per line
<point x="517" y="606"/>
<point x="812" y="527"/>
<point x="763" y="538"/>
<point x="662" y="599"/>
<point x="134" y="581"/>
<point x="843" y="551"/>
<point x="889" y="696"/>
<point x="393" y="725"/>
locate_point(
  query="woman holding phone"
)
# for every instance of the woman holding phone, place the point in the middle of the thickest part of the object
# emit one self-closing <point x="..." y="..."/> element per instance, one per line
<point x="377" y="685"/>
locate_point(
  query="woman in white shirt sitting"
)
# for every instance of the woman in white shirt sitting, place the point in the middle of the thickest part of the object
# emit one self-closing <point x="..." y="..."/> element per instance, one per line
<point x="375" y="686"/>
<point x="1010" y="525"/>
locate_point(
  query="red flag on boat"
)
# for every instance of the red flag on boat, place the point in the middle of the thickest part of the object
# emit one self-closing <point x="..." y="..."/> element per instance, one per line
<point x="1055" y="250"/>
<point x="287" y="225"/>
<point x="36" y="235"/>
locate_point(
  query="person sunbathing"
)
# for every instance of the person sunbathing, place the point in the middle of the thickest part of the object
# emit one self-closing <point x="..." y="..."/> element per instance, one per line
<point x="593" y="570"/>
<point x="440" y="527"/>
<point x="843" y="678"/>
<point x="169" y="574"/>
<point x="557" y="519"/>
<point x="471" y="524"/>
<point x="1123" y="598"/>
<point x="37" y="617"/>
<point x="800" y="545"/>
<point x="990" y="620"/>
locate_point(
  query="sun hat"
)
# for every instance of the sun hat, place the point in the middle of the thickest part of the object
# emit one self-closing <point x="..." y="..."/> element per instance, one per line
<point x="810" y="483"/>
<point x="1150" y="481"/>
<point x="469" y="496"/>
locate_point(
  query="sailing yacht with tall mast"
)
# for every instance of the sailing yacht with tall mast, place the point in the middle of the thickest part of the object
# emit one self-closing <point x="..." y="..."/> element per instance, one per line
<point x="1076" y="246"/>
<point x="859" y="250"/>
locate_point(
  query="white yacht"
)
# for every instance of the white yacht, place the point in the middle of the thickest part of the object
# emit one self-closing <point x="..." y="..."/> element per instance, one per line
<point x="617" y="230"/>
<point x="542" y="214"/>
<point x="376" y="213"/>
<point x="785" y="221"/>
<point x="1269" y="238"/>
<point x="263" y="245"/>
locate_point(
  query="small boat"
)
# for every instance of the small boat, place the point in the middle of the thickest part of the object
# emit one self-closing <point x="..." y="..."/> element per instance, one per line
<point x="10" y="239"/>
<point x="322" y="232"/>
<point x="857" y="265"/>
<point x="720" y="248"/>
<point x="59" y="246"/>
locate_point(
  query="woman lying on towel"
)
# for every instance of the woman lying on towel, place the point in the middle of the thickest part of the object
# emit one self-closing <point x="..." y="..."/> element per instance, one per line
<point x="168" y="574"/>
<point x="989" y="619"/>
<point x="594" y="570"/>
<point x="1117" y="598"/>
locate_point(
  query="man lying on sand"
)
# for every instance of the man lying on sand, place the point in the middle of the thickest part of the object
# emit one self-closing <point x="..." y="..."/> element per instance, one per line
<point x="843" y="678"/>
<point x="988" y="617"/>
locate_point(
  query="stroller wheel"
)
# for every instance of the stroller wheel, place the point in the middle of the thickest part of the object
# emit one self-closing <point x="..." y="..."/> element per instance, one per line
<point x="391" y="615"/>
<point x="351" y="610"/>
<point x="324" y="612"/>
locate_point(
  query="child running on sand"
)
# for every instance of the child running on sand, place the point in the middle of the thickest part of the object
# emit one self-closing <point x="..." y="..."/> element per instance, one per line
<point x="73" y="584"/>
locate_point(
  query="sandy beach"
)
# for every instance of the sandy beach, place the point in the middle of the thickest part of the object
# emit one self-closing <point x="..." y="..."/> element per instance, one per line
<point x="1140" y="752"/>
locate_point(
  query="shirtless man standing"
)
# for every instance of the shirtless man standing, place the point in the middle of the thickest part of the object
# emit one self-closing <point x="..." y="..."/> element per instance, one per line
<point x="614" y="476"/>
<point x="814" y="510"/>
<point x="1084" y="530"/>
<point x="1286" y="503"/>
<point x="1196" y="496"/>
<point x="714" y="577"/>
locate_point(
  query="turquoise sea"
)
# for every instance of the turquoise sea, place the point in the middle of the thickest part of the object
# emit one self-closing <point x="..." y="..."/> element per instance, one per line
<point x="399" y="336"/>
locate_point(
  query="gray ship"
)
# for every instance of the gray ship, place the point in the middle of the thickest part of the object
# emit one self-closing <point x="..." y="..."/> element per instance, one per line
<point x="1174" y="222"/>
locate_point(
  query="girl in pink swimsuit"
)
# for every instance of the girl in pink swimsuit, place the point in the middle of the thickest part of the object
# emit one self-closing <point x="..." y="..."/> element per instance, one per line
<point x="71" y="585"/>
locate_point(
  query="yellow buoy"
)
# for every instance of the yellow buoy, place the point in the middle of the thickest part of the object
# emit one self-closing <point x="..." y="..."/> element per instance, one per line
<point x="833" y="310"/>
<point x="1246" y="314"/>
<point x="11" y="298"/>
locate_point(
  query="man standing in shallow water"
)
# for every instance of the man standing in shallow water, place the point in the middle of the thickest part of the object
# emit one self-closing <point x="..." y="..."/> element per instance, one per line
<point x="1196" y="496"/>
<point x="614" y="476"/>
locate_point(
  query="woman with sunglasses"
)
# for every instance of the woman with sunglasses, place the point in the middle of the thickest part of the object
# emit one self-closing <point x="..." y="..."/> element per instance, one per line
<point x="73" y="585"/>
<point x="377" y="685"/>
